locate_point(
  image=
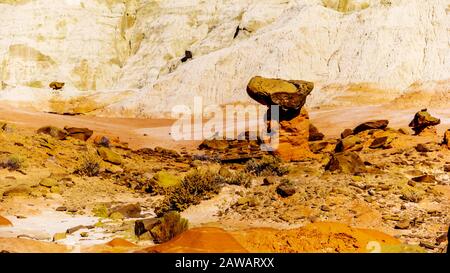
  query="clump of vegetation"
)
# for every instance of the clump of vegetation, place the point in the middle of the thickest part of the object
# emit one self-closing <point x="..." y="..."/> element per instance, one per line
<point x="171" y="225"/>
<point x="236" y="178"/>
<point x="12" y="163"/>
<point x="89" y="165"/>
<point x="196" y="186"/>
<point x="267" y="166"/>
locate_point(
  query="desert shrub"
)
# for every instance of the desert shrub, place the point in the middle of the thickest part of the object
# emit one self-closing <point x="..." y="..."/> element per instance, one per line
<point x="196" y="186"/>
<point x="237" y="178"/>
<point x="171" y="225"/>
<point x="12" y="162"/>
<point x="89" y="165"/>
<point x="266" y="166"/>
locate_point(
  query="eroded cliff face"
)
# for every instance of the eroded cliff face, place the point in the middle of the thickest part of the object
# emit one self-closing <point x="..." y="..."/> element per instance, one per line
<point x="125" y="57"/>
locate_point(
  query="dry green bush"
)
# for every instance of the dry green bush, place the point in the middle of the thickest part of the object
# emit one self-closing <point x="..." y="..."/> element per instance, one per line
<point x="267" y="166"/>
<point x="89" y="165"/>
<point x="12" y="162"/>
<point x="196" y="186"/>
<point x="171" y="225"/>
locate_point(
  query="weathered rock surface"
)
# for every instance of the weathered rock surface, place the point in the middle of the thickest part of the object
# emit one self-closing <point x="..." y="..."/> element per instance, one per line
<point x="109" y="156"/>
<point x="371" y="125"/>
<point x="346" y="162"/>
<point x="79" y="133"/>
<point x="422" y="121"/>
<point x="446" y="141"/>
<point x="143" y="45"/>
<point x="289" y="95"/>
<point x="53" y="131"/>
<point x="294" y="138"/>
<point x="314" y="133"/>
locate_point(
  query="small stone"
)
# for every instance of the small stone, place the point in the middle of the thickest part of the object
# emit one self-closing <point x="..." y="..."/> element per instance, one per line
<point x="56" y="85"/>
<point x="270" y="180"/>
<point x="404" y="131"/>
<point x="346" y="133"/>
<point x="314" y="134"/>
<point x="380" y="142"/>
<point x="116" y="216"/>
<point x="346" y="162"/>
<point x="404" y="224"/>
<point x="242" y="201"/>
<point x="20" y="190"/>
<point x="425" y="179"/>
<point x="48" y="182"/>
<point x="446" y="141"/>
<point x="55" y="189"/>
<point x="144" y="226"/>
<point x="325" y="208"/>
<point x="371" y="125"/>
<point x="286" y="188"/>
<point x="59" y="236"/>
<point x="349" y="143"/>
<point x="423" y="120"/>
<point x="447" y="168"/>
<point x="74" y="229"/>
<point x="53" y="131"/>
<point x="61" y="209"/>
<point x="109" y="156"/>
<point x="79" y="133"/>
<point x="84" y="234"/>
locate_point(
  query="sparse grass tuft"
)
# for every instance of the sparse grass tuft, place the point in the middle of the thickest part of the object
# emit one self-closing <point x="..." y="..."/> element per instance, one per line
<point x="267" y="166"/>
<point x="196" y="186"/>
<point x="12" y="162"/>
<point x="89" y="165"/>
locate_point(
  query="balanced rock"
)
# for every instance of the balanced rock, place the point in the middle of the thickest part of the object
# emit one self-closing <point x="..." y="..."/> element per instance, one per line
<point x="289" y="95"/>
<point x="371" y="125"/>
<point x="422" y="121"/>
<point x="293" y="123"/>
<point x="346" y="162"/>
<point x="53" y="131"/>
<point x="79" y="133"/>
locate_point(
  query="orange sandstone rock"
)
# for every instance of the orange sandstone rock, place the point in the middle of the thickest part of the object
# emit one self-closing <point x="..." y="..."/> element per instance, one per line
<point x="5" y="222"/>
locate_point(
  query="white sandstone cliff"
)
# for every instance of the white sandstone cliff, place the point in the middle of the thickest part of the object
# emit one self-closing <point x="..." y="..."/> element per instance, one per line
<point x="125" y="58"/>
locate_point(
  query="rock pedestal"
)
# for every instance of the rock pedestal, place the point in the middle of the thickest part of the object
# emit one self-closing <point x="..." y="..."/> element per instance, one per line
<point x="294" y="138"/>
<point x="294" y="125"/>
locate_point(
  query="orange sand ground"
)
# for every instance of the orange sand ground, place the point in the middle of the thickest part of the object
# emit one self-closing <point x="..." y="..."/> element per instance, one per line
<point x="314" y="238"/>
